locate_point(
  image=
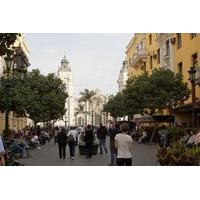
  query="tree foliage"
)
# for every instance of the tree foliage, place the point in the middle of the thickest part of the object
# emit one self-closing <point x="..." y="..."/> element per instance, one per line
<point x="6" y="43"/>
<point x="115" y="106"/>
<point x="86" y="95"/>
<point x="162" y="89"/>
<point x="79" y="109"/>
<point x="136" y="94"/>
<point x="41" y="98"/>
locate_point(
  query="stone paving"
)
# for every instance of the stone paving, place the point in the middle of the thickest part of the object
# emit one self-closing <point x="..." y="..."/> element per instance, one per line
<point x="144" y="155"/>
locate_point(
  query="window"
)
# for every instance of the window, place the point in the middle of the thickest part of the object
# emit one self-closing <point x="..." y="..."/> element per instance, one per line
<point x="192" y="35"/>
<point x="180" y="68"/>
<point x="150" y="39"/>
<point x="158" y="56"/>
<point x="151" y="62"/>
<point x="195" y="60"/>
<point x="179" y="45"/>
<point x="167" y="48"/>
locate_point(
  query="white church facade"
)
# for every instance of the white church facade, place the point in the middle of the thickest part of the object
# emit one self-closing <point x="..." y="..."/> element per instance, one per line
<point x="65" y="74"/>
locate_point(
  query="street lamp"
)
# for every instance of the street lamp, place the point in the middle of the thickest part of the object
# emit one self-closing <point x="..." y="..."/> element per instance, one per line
<point x="9" y="65"/>
<point x="20" y="65"/>
<point x="15" y="63"/>
<point x="192" y="73"/>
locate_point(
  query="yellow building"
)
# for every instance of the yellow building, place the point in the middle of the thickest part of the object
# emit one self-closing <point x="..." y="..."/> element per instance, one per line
<point x="187" y="54"/>
<point x="136" y="55"/>
<point x="143" y="53"/>
<point x="174" y="51"/>
<point x="14" y="122"/>
<point x="153" y="51"/>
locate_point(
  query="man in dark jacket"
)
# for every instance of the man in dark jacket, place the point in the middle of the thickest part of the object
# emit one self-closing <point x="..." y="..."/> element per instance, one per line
<point x="114" y="130"/>
<point x="89" y="139"/>
<point x="62" y="142"/>
<point x="101" y="135"/>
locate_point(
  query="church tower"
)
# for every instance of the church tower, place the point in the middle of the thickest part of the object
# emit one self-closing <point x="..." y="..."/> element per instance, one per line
<point x="65" y="74"/>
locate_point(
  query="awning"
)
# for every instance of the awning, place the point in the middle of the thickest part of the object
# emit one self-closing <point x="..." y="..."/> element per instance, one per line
<point x="154" y="119"/>
<point x="187" y="108"/>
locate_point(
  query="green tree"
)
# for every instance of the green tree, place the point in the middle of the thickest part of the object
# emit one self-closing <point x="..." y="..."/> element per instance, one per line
<point x="167" y="90"/>
<point x="79" y="109"/>
<point x="41" y="98"/>
<point x="115" y="106"/>
<point x="163" y="89"/>
<point x="136" y="94"/>
<point x="86" y="96"/>
<point x="6" y="43"/>
<point x="47" y="97"/>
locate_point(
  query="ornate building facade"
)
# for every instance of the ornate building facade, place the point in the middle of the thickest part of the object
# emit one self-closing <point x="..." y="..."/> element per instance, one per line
<point x="65" y="74"/>
<point x="93" y="111"/>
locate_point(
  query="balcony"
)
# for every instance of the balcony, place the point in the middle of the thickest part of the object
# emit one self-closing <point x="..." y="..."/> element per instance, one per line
<point x="139" y="57"/>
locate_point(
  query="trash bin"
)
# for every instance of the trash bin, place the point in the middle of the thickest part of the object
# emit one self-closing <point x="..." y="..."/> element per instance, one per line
<point x="164" y="138"/>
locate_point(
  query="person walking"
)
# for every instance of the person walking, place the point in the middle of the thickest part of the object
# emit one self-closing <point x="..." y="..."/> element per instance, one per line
<point x="101" y="135"/>
<point x="89" y="139"/>
<point x="124" y="146"/>
<point x="2" y="152"/>
<point x="62" y="142"/>
<point x="55" y="134"/>
<point x="113" y="131"/>
<point x="71" y="138"/>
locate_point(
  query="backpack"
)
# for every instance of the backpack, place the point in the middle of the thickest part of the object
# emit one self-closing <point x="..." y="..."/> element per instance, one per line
<point x="70" y="138"/>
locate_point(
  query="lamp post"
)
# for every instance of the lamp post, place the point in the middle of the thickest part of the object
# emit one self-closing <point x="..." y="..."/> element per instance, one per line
<point x="9" y="65"/>
<point x="15" y="63"/>
<point x="20" y="65"/>
<point x="192" y="73"/>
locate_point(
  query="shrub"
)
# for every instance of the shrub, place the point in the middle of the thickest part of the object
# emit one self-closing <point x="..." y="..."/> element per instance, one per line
<point x="176" y="133"/>
<point x="179" y="155"/>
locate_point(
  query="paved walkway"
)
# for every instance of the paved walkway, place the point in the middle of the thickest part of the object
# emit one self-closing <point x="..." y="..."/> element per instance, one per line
<point x="144" y="155"/>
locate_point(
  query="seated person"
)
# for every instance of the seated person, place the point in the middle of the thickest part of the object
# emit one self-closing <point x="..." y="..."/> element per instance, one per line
<point x="35" y="139"/>
<point x="143" y="136"/>
<point x="42" y="139"/>
<point x="23" y="143"/>
<point x="16" y="148"/>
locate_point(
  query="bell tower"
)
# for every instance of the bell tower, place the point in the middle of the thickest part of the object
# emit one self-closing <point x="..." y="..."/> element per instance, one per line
<point x="65" y="74"/>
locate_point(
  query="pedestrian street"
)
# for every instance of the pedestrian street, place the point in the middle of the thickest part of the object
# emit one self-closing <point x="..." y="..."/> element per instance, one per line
<point x="144" y="155"/>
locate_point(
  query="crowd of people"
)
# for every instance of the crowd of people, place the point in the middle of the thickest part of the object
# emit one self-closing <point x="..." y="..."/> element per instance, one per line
<point x="121" y="142"/>
<point x="16" y="144"/>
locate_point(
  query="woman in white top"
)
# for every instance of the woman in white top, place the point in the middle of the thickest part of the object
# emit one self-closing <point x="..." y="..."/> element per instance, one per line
<point x="124" y="146"/>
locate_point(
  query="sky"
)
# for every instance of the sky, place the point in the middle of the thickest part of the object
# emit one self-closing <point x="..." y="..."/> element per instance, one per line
<point x="95" y="58"/>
